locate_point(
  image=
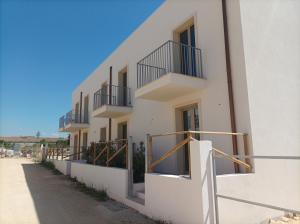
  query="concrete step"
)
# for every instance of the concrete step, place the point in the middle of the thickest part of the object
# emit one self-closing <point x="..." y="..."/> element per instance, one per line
<point x="140" y="194"/>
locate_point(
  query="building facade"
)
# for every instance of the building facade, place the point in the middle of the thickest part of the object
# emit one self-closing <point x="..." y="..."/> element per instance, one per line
<point x="204" y="65"/>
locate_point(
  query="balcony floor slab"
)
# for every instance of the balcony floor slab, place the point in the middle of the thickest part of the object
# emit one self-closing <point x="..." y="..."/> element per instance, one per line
<point x="110" y="111"/>
<point x="170" y="86"/>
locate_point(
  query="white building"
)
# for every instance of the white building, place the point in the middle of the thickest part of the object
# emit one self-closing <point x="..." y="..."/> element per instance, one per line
<point x="206" y="65"/>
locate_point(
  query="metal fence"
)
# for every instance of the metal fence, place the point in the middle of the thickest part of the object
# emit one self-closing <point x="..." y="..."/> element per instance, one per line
<point x="169" y="57"/>
<point x="73" y="117"/>
<point x="113" y="95"/>
<point x="62" y="122"/>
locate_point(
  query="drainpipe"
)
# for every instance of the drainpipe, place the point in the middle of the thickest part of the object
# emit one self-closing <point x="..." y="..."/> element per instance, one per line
<point x="110" y="91"/>
<point x="80" y="110"/>
<point x="229" y="83"/>
<point x="79" y="142"/>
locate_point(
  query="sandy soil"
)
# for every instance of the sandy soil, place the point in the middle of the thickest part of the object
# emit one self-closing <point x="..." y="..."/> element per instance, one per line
<point x="31" y="194"/>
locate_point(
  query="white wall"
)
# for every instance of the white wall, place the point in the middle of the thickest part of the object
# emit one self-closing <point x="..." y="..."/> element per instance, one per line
<point x="156" y="117"/>
<point x="63" y="166"/>
<point x="113" y="180"/>
<point x="268" y="35"/>
<point x="277" y="184"/>
<point x="179" y="199"/>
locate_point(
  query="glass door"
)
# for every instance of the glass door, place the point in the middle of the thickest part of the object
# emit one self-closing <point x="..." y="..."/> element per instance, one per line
<point x="187" y="51"/>
<point x="190" y="123"/>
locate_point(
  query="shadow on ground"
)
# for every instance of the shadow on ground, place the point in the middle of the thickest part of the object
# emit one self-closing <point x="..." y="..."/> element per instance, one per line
<point x="57" y="201"/>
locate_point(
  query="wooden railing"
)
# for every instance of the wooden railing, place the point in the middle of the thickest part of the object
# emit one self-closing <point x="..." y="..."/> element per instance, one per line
<point x="62" y="153"/>
<point x="76" y="155"/>
<point x="109" y="148"/>
<point x="189" y="137"/>
<point x="117" y="146"/>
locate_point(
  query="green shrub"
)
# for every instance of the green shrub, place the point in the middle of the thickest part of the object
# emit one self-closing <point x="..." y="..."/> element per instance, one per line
<point x="139" y="163"/>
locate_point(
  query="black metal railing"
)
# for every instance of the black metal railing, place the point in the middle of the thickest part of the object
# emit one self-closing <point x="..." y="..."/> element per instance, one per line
<point x="72" y="117"/>
<point x="170" y="57"/>
<point x="62" y="122"/>
<point x="116" y="96"/>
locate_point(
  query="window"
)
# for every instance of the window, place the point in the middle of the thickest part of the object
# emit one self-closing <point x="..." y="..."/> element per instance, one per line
<point x="103" y="134"/>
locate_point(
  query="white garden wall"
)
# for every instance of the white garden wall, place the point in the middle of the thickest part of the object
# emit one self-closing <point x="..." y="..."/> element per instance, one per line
<point x="113" y="180"/>
<point x="179" y="199"/>
<point x="268" y="186"/>
<point x="63" y="166"/>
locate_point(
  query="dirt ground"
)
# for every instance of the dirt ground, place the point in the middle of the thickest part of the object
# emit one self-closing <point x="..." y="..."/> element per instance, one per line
<point x="31" y="194"/>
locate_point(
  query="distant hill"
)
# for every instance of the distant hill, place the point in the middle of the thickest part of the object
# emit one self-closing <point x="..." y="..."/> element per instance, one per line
<point x="29" y="139"/>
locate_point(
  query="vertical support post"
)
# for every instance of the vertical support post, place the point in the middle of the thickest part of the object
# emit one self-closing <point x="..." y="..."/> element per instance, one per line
<point x="148" y="153"/>
<point x="130" y="165"/>
<point x="189" y="136"/>
<point x="107" y="152"/>
<point x="109" y="120"/>
<point x="110" y="85"/>
<point x="229" y="84"/>
<point x="246" y="150"/>
<point x="80" y="110"/>
<point x="47" y="153"/>
<point x="62" y="153"/>
<point x="79" y="147"/>
<point x="94" y="152"/>
<point x="213" y="160"/>
<point x="126" y="155"/>
<point x="57" y="150"/>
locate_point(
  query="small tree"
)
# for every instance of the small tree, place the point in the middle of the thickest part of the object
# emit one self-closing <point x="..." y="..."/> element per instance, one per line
<point x="38" y="134"/>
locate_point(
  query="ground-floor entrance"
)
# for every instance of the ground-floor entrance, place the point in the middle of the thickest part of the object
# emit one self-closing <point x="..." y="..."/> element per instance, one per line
<point x="187" y="119"/>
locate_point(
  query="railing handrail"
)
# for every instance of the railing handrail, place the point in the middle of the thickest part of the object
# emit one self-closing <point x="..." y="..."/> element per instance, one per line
<point x="170" y="57"/>
<point x="113" y="95"/>
<point x="152" y="66"/>
<point x="106" y="148"/>
<point x="233" y="159"/>
<point x="152" y="52"/>
<point x="162" y="45"/>
<point x="189" y="138"/>
<point x="107" y="87"/>
<point x="199" y="132"/>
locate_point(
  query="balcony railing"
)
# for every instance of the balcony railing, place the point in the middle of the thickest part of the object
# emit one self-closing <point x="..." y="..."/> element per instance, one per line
<point x="62" y="122"/>
<point x="117" y="96"/>
<point x="72" y="117"/>
<point x="171" y="57"/>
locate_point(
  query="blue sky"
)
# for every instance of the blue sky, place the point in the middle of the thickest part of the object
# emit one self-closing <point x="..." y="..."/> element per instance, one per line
<point x="48" y="47"/>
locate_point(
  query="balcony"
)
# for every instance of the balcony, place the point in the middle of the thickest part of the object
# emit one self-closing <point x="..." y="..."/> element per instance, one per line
<point x="112" y="102"/>
<point x="72" y="122"/>
<point x="170" y="71"/>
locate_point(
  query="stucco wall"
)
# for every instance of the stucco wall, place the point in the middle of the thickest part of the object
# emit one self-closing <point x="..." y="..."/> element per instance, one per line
<point x="63" y="166"/>
<point x="268" y="33"/>
<point x="113" y="180"/>
<point x="179" y="199"/>
<point x="156" y="117"/>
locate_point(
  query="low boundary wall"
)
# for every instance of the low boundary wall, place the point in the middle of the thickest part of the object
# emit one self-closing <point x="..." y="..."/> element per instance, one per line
<point x="179" y="199"/>
<point x="64" y="166"/>
<point x="113" y="180"/>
